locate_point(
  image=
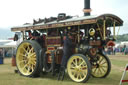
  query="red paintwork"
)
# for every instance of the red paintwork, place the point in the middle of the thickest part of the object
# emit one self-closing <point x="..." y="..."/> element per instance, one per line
<point x="124" y="80"/>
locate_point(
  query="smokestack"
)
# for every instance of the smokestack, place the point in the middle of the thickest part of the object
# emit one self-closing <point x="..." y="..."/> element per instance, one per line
<point x="87" y="8"/>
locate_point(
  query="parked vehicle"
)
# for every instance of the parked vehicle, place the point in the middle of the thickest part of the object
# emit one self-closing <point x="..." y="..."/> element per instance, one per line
<point x="42" y="46"/>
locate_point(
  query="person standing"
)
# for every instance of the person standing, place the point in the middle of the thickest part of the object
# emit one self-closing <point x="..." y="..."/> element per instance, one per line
<point x="67" y="49"/>
<point x="67" y="52"/>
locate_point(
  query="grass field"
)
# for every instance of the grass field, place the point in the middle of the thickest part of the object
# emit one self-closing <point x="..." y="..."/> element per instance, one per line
<point x="8" y="77"/>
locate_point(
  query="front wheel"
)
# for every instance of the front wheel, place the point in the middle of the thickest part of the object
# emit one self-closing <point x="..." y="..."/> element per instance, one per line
<point x="28" y="58"/>
<point x="102" y="67"/>
<point x="79" y="68"/>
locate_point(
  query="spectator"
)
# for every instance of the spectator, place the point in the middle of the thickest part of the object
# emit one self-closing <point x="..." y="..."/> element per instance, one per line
<point x="114" y="50"/>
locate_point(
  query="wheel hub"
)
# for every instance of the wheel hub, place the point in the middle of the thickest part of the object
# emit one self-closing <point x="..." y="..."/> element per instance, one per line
<point x="77" y="69"/>
<point x="97" y="65"/>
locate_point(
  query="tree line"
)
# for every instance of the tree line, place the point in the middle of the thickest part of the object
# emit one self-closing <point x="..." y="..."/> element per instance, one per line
<point x="123" y="37"/>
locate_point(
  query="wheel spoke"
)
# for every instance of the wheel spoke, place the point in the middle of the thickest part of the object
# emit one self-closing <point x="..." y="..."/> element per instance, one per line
<point x="80" y="76"/>
<point x="28" y="69"/>
<point x="25" y="66"/>
<point x="72" y="67"/>
<point x="103" y="69"/>
<point x="33" y="54"/>
<point x="73" y="70"/>
<point x="31" y="50"/>
<point x="104" y="66"/>
<point x="75" y="73"/>
<point x="23" y="61"/>
<point x="84" y="72"/>
<point x="28" y="48"/>
<point x="33" y="59"/>
<point x="95" y="70"/>
<point x="101" y="60"/>
<point x="100" y="70"/>
<point x="25" y="50"/>
<point x="34" y="62"/>
<point x="81" y="63"/>
<point x="76" y="62"/>
<point x="103" y="63"/>
<point x="32" y="68"/>
<point x="22" y="55"/>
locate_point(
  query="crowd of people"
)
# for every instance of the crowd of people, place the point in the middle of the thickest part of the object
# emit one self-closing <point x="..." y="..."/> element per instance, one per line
<point x="113" y="50"/>
<point x="7" y="52"/>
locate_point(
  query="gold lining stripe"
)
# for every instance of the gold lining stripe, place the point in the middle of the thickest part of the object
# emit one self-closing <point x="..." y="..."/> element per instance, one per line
<point x="53" y="37"/>
<point x="87" y="10"/>
<point x="55" y="25"/>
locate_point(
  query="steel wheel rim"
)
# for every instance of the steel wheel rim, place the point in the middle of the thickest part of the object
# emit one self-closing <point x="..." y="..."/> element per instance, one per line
<point x="77" y="68"/>
<point x="102" y="68"/>
<point x="26" y="58"/>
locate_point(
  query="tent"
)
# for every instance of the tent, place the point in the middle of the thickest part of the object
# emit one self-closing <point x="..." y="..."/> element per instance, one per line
<point x="11" y="44"/>
<point x="4" y="44"/>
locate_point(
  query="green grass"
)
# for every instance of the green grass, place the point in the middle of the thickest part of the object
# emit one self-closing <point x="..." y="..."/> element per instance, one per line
<point x="8" y="77"/>
<point x="119" y="63"/>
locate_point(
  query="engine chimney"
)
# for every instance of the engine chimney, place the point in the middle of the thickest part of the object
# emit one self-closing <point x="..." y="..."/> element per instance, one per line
<point x="87" y="8"/>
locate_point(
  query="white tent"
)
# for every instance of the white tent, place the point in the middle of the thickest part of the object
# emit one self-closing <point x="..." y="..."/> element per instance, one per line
<point x="123" y="43"/>
<point x="11" y="44"/>
<point x="5" y="44"/>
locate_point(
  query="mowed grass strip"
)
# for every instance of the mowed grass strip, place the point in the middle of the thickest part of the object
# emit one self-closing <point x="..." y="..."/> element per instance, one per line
<point x="8" y="77"/>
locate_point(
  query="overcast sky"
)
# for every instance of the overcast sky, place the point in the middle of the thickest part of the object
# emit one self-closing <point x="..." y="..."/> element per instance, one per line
<point x="18" y="12"/>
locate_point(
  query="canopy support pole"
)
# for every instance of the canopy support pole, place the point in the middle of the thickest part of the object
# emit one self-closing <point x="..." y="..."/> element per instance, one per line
<point x="114" y="30"/>
<point x="104" y="30"/>
<point x="78" y="34"/>
<point x="118" y="31"/>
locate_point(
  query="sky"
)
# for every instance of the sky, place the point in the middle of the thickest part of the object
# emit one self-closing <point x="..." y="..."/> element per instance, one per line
<point x="18" y="12"/>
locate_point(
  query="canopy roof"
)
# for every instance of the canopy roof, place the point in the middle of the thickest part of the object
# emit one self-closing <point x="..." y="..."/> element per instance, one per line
<point x="7" y="43"/>
<point x="110" y="18"/>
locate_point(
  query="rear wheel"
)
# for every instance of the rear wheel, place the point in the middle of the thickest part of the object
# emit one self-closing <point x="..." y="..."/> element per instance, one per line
<point x="102" y="67"/>
<point x="28" y="58"/>
<point x="79" y="68"/>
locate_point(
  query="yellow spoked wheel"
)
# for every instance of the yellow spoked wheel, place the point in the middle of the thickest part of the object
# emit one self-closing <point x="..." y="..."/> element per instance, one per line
<point x="102" y="67"/>
<point x="79" y="68"/>
<point x="27" y="58"/>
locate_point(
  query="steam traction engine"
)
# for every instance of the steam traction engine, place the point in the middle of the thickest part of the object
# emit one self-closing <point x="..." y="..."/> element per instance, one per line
<point x="42" y="46"/>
